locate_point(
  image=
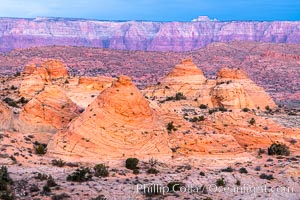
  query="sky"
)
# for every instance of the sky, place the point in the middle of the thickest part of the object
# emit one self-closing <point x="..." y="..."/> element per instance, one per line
<point x="154" y="10"/>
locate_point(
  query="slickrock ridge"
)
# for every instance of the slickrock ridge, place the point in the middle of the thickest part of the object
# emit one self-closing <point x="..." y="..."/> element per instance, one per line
<point x="35" y="78"/>
<point x="185" y="78"/>
<point x="227" y="73"/>
<point x="6" y="117"/>
<point x="133" y="35"/>
<point x="232" y="89"/>
<point x="95" y="83"/>
<point x="118" y="124"/>
<point x="235" y="90"/>
<point x="55" y="68"/>
<point x="29" y="69"/>
<point x="50" y="110"/>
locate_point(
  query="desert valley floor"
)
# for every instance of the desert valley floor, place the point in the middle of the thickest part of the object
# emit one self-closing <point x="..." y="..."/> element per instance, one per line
<point x="222" y="122"/>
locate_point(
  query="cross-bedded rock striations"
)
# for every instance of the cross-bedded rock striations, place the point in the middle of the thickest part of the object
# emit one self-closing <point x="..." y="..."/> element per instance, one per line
<point x="118" y="124"/>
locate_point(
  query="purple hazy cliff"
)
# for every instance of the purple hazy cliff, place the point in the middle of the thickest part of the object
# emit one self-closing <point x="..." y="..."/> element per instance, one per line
<point x="137" y="35"/>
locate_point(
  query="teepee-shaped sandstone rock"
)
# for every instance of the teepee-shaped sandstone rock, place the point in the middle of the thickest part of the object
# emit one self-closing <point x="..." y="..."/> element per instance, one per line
<point x="118" y="124"/>
<point x="49" y="110"/>
<point x="235" y="90"/>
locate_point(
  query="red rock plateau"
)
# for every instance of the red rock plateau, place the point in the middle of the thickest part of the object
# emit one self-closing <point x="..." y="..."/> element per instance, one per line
<point x="270" y="66"/>
<point x="140" y="35"/>
<point x="185" y="124"/>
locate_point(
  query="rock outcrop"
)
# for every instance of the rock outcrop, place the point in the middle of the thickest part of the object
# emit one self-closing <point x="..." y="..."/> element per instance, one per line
<point x="133" y="35"/>
<point x="235" y="90"/>
<point x="118" y="124"/>
<point x="49" y="111"/>
<point x="95" y="83"/>
<point x="185" y="78"/>
<point x="6" y="117"/>
<point x="35" y="78"/>
<point x="55" y="68"/>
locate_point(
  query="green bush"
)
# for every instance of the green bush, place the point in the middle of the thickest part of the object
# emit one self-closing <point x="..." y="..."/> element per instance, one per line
<point x="252" y="121"/>
<point x="11" y="102"/>
<point x="101" y="170"/>
<point x="278" y="149"/>
<point x="131" y="163"/>
<point x="220" y="182"/>
<point x="50" y="182"/>
<point x="243" y="170"/>
<point x="40" y="149"/>
<point x="5" y="184"/>
<point x="267" y="177"/>
<point x="171" y="127"/>
<point x="80" y="175"/>
<point x="179" y="96"/>
<point x="152" y="171"/>
<point x="58" y="163"/>
<point x="174" y="186"/>
<point x="222" y="109"/>
<point x="100" y="197"/>
<point x="61" y="196"/>
<point x="228" y="169"/>
<point x="246" y="109"/>
<point x="202" y="106"/>
<point x="135" y="171"/>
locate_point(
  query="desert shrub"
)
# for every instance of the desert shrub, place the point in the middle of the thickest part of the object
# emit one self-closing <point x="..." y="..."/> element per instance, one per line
<point x="152" y="171"/>
<point x="171" y="127"/>
<point x="41" y="177"/>
<point x="179" y="96"/>
<point x="246" y="109"/>
<point x="202" y="174"/>
<point x="220" y="182"/>
<point x="10" y="102"/>
<point x="61" y="196"/>
<point x="23" y="100"/>
<point x="243" y="170"/>
<point x="152" y="190"/>
<point x="40" y="149"/>
<point x="51" y="182"/>
<point x="252" y="121"/>
<point x="197" y="119"/>
<point x="17" y="74"/>
<point x="203" y="189"/>
<point x="293" y="141"/>
<point x="278" y="149"/>
<point x="268" y="108"/>
<point x="58" y="163"/>
<point x="211" y="111"/>
<point x="100" y="197"/>
<point x="261" y="151"/>
<point x="101" y="170"/>
<point x="80" y="175"/>
<point x="135" y="171"/>
<point x="267" y="177"/>
<point x="131" y="163"/>
<point x="222" y="109"/>
<point x="174" y="186"/>
<point x="238" y="182"/>
<point x="5" y="184"/>
<point x="13" y="87"/>
<point x="202" y="106"/>
<point x="46" y="189"/>
<point x="34" y="188"/>
<point x="228" y="169"/>
<point x="257" y="168"/>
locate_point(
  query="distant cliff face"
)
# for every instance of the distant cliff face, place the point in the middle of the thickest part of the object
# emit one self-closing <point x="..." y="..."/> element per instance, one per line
<point x="133" y="35"/>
